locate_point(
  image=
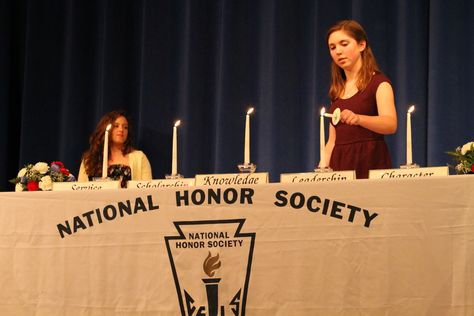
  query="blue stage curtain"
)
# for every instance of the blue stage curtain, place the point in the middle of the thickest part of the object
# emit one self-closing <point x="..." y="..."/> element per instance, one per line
<point x="64" y="63"/>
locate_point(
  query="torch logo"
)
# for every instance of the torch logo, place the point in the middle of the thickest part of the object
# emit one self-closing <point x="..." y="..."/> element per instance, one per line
<point x="211" y="263"/>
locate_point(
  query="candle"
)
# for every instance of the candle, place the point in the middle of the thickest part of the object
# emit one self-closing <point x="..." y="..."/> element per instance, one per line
<point x="322" y="139"/>
<point x="247" y="137"/>
<point x="409" y="146"/>
<point x="174" y="159"/>
<point x="105" y="156"/>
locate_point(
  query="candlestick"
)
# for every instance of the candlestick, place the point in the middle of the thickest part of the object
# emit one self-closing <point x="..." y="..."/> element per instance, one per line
<point x="322" y="139"/>
<point x="247" y="137"/>
<point x="410" y="164"/>
<point x="105" y="155"/>
<point x="247" y="166"/>
<point x="174" y="160"/>
<point x="409" y="145"/>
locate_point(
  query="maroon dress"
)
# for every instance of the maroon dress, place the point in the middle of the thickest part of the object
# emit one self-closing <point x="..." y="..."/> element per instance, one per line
<point x="357" y="148"/>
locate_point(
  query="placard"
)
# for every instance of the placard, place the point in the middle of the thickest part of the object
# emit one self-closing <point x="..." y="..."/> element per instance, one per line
<point x="232" y="179"/>
<point x="86" y="186"/>
<point x="317" y="176"/>
<point x="408" y="173"/>
<point x="160" y="183"/>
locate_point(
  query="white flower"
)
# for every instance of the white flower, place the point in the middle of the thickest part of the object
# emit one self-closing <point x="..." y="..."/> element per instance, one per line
<point x="21" y="173"/>
<point x="467" y="147"/>
<point x="18" y="187"/>
<point x="46" y="184"/>
<point x="41" y="167"/>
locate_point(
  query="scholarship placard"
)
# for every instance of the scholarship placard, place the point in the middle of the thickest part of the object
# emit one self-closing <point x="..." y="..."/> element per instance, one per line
<point x="160" y="183"/>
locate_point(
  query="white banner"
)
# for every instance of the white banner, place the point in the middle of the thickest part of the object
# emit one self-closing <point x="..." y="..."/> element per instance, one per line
<point x="365" y="247"/>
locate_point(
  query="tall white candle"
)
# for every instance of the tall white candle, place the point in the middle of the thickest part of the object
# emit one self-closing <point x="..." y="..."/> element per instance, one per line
<point x="105" y="156"/>
<point x="247" y="137"/>
<point x="322" y="140"/>
<point x="409" y="145"/>
<point x="174" y="159"/>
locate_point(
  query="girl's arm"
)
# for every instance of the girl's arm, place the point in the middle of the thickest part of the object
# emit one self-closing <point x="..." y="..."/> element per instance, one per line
<point x="385" y="122"/>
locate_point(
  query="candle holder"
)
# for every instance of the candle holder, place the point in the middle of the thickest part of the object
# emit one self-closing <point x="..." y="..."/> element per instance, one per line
<point x="323" y="169"/>
<point x="247" y="167"/>
<point x="410" y="166"/>
<point x="100" y="179"/>
<point x="335" y="116"/>
<point x="174" y="176"/>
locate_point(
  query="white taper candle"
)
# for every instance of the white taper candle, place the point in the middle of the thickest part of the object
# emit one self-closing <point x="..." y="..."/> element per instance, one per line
<point x="409" y="145"/>
<point x="247" y="137"/>
<point x="105" y="156"/>
<point x="174" y="159"/>
<point x="322" y="140"/>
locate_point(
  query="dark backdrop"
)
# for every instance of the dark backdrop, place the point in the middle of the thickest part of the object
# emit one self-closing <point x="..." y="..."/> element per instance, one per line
<point x="64" y="63"/>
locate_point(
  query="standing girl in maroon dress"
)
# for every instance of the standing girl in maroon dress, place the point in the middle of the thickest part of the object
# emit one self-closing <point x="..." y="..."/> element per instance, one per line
<point x="365" y="97"/>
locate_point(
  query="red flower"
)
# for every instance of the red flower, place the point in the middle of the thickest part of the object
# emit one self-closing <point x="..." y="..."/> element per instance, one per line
<point x="59" y="163"/>
<point x="472" y="167"/>
<point x="32" y="186"/>
<point x="64" y="171"/>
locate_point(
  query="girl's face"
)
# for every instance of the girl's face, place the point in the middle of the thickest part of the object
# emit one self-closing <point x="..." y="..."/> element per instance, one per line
<point x="344" y="50"/>
<point x="120" y="131"/>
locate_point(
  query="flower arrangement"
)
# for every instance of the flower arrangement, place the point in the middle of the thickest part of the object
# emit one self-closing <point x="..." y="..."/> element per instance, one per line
<point x="464" y="157"/>
<point x="120" y="172"/>
<point x="40" y="176"/>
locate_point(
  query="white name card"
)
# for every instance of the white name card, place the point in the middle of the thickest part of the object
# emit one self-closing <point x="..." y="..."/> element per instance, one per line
<point x="317" y="176"/>
<point x="86" y="186"/>
<point x="161" y="183"/>
<point x="232" y="179"/>
<point x="408" y="173"/>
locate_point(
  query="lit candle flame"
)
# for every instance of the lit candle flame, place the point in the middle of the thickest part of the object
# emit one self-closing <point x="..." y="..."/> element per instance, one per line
<point x="411" y="109"/>
<point x="177" y="123"/>
<point x="108" y="127"/>
<point x="250" y="111"/>
<point x="323" y="110"/>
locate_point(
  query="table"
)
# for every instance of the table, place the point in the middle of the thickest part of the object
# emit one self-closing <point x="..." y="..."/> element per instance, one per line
<point x="364" y="247"/>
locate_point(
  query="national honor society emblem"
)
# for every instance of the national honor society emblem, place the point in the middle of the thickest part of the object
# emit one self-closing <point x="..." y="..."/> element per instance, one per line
<point x="211" y="263"/>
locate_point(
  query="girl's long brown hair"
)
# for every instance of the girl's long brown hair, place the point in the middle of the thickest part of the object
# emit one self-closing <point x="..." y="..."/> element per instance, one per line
<point x="93" y="157"/>
<point x="369" y="64"/>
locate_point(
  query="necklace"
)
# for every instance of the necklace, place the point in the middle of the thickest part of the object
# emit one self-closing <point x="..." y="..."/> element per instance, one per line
<point x="349" y="91"/>
<point x="350" y="94"/>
